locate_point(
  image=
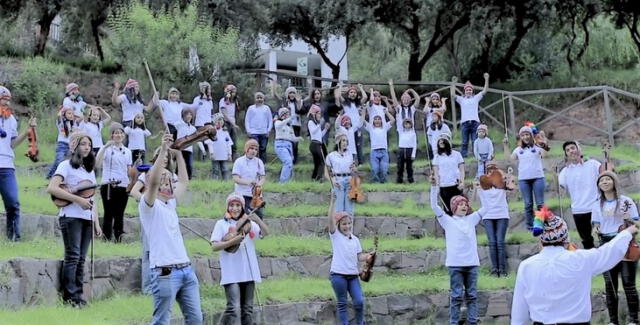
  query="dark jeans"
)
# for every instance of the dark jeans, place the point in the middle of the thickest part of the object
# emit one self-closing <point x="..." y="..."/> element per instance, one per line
<point x="583" y="223"/>
<point x="188" y="160"/>
<point x="247" y="208"/>
<point x="232" y="134"/>
<point x="9" y="193"/>
<point x="496" y="230"/>
<point x="173" y="131"/>
<point x="318" y="151"/>
<point x="531" y="188"/>
<point x="359" y="148"/>
<point x="114" y="200"/>
<point x="627" y="271"/>
<point x="446" y="193"/>
<point x="137" y="153"/>
<point x="469" y="135"/>
<point x="76" y="235"/>
<point x="405" y="161"/>
<point x="220" y="169"/>
<point x="296" y="132"/>
<point x="62" y="150"/>
<point x="343" y="284"/>
<point x="263" y="141"/>
<point x="239" y="304"/>
<point x="463" y="282"/>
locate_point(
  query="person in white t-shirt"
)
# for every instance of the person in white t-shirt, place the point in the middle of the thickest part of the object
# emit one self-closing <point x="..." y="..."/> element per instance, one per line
<point x="203" y="105"/>
<point x="130" y="102"/>
<point x="531" y="181"/>
<point x="114" y="159"/>
<point x="434" y="103"/>
<point x="435" y="129"/>
<point x="66" y="124"/>
<point x="346" y="252"/>
<point x="482" y="149"/>
<point x="186" y="128"/>
<point x="379" y="156"/>
<point x="612" y="212"/>
<point x="172" y="109"/>
<point x="318" y="128"/>
<point x="9" y="139"/>
<point x="469" y="119"/>
<point x="239" y="269"/>
<point x="137" y="134"/>
<point x="579" y="179"/>
<point x="344" y="124"/>
<point x="74" y="100"/>
<point x="375" y="106"/>
<point x="285" y="139"/>
<point x="79" y="218"/>
<point x="172" y="276"/>
<point x="406" y="107"/>
<point x="294" y="103"/>
<point x="94" y="122"/>
<point x="448" y="168"/>
<point x="340" y="167"/>
<point x="351" y="105"/>
<point x="462" y="259"/>
<point x="258" y="123"/>
<point x="220" y="149"/>
<point x="248" y="172"/>
<point x="407" y="146"/>
<point x="228" y="105"/>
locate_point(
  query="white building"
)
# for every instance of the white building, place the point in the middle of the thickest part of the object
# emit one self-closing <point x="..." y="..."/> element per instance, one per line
<point x="286" y="59"/>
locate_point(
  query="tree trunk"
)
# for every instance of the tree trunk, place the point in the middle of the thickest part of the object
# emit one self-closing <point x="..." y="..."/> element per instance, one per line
<point x="44" y="22"/>
<point x="95" y="31"/>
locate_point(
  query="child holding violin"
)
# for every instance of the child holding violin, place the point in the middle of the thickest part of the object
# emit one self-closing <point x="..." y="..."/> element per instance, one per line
<point x="78" y="216"/>
<point x="234" y="236"/>
<point x="249" y="175"/>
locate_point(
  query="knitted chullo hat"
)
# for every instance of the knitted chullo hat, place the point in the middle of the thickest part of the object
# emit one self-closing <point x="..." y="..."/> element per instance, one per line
<point x="551" y="228"/>
<point x="173" y="90"/>
<point x="74" y="139"/>
<point x="445" y="135"/>
<point x="4" y="93"/>
<point x="282" y="111"/>
<point x="456" y="201"/>
<point x="204" y="84"/>
<point x="525" y="129"/>
<point x="235" y="197"/>
<point x="217" y="118"/>
<point x="115" y="126"/>
<point x="251" y="143"/>
<point x="613" y="176"/>
<point x="340" y="215"/>
<point x="290" y="90"/>
<point x="314" y="109"/>
<point x="468" y="85"/>
<point x="131" y="83"/>
<point x="340" y="134"/>
<point x="435" y="95"/>
<point x="69" y="87"/>
<point x="482" y="127"/>
<point x="344" y="120"/>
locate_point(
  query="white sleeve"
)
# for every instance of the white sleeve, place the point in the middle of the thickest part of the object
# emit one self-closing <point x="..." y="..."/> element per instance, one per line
<point x="562" y="178"/>
<point x="435" y="191"/>
<point x="519" y="306"/>
<point x="218" y="233"/>
<point x="247" y="119"/>
<point x="147" y="132"/>
<point x="63" y="169"/>
<point x="608" y="255"/>
<point x="596" y="213"/>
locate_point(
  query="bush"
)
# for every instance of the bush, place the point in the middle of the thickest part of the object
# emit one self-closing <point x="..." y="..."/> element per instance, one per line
<point x="38" y="86"/>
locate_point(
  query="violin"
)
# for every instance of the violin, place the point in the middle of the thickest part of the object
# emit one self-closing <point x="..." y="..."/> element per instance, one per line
<point x="243" y="227"/>
<point x="133" y="173"/>
<point x="84" y="189"/>
<point x="32" y="151"/>
<point x="202" y="133"/>
<point x="633" y="251"/>
<point x="367" y="271"/>
<point x="493" y="178"/>
<point x="256" y="201"/>
<point x="356" y="194"/>
<point x="607" y="165"/>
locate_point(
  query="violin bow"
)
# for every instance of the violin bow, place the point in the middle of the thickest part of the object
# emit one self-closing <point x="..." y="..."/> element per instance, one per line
<point x="155" y="91"/>
<point x="557" y="175"/>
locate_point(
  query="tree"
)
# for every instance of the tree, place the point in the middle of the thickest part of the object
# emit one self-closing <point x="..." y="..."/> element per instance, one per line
<point x="626" y="13"/>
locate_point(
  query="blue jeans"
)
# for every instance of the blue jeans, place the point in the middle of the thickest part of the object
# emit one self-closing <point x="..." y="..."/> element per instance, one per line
<point x="379" y="165"/>
<point x="469" y="131"/>
<point x="463" y="280"/>
<point x="263" y="141"/>
<point x="220" y="169"/>
<point x="484" y="157"/>
<point x="181" y="285"/>
<point x="9" y="193"/>
<point x="145" y="280"/>
<point x="284" y="151"/>
<point x="239" y="304"/>
<point x="530" y="188"/>
<point x="342" y="200"/>
<point x="496" y="230"/>
<point x="62" y="150"/>
<point x="343" y="284"/>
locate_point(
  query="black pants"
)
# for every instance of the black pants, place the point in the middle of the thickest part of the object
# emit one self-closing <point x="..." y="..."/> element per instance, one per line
<point x="76" y="235"/>
<point x="627" y="271"/>
<point x="232" y="134"/>
<point x="247" y="207"/>
<point x="359" y="148"/>
<point x="239" y="304"/>
<point x="317" y="151"/>
<point x="446" y="193"/>
<point x="296" y="132"/>
<point x="405" y="162"/>
<point x="114" y="200"/>
<point x="137" y="153"/>
<point x="188" y="160"/>
<point x="583" y="223"/>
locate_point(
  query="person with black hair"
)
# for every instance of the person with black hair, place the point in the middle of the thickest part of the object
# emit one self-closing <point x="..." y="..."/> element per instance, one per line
<point x="228" y="106"/>
<point x="202" y="105"/>
<point x="318" y="128"/>
<point x="315" y="98"/>
<point x="352" y="107"/>
<point x="79" y="218"/>
<point x="136" y="135"/>
<point x="65" y="123"/>
<point x="131" y="101"/>
<point x="448" y="168"/>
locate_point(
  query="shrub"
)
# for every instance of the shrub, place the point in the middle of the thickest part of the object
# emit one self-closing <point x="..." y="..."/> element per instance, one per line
<point x="38" y="85"/>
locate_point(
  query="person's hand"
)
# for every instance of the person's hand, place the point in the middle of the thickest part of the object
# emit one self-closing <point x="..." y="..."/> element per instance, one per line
<point x="253" y="183"/>
<point x="476" y="184"/>
<point x="633" y="229"/>
<point x="167" y="140"/>
<point x="33" y="122"/>
<point x="433" y="180"/>
<point x="237" y="239"/>
<point x="85" y="204"/>
<point x="109" y="143"/>
<point x="327" y="125"/>
<point x="391" y="82"/>
<point x="461" y="186"/>
<point x="97" y="229"/>
<point x="337" y="185"/>
<point x="360" y="86"/>
<point x="486" y="76"/>
<point x="505" y="140"/>
<point x="156" y="98"/>
<point x="444" y="99"/>
<point x="116" y="84"/>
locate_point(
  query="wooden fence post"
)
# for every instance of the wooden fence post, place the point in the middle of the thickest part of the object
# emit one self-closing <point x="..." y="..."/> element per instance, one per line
<point x="608" y="115"/>
<point x="452" y="99"/>
<point x="512" y="116"/>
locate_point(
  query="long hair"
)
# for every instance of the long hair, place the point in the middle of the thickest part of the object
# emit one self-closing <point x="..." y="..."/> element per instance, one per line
<point x="132" y="97"/>
<point x="78" y="161"/>
<point x="136" y="125"/>
<point x="446" y="150"/>
<point x="525" y="145"/>
<point x="436" y="125"/>
<point x="615" y="193"/>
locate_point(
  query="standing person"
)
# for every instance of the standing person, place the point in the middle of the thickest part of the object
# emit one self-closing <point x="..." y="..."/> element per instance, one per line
<point x="9" y="139"/>
<point x="448" y="168"/>
<point x="220" y="149"/>
<point x="248" y="172"/>
<point x="115" y="160"/>
<point x="340" y="166"/>
<point x="407" y="145"/>
<point x="172" y="276"/>
<point x="315" y="98"/>
<point x="137" y="134"/>
<point x="203" y="105"/>
<point x="530" y="174"/>
<point x="352" y="107"/>
<point x="258" y="122"/>
<point x="318" y="128"/>
<point x="228" y="106"/>
<point x="293" y="102"/>
<point x="79" y="218"/>
<point x="74" y="100"/>
<point x="344" y="124"/>
<point x="93" y="124"/>
<point x="285" y="139"/>
<point x="435" y="129"/>
<point x="482" y="149"/>
<point x="462" y="259"/>
<point x="346" y="252"/>
<point x="239" y="270"/>
<point x="612" y="211"/>
<point x="379" y="157"/>
<point x="375" y="107"/>
<point x="65" y="123"/>
<point x="172" y="109"/>
<point x="406" y="107"/>
<point x="469" y="119"/>
<point x="554" y="286"/>
<point x="434" y="103"/>
<point x="130" y="102"/>
<point x="579" y="179"/>
<point x="186" y="128"/>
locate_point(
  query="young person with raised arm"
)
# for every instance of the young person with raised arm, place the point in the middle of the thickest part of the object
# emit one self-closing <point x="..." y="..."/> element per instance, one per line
<point x="469" y="105"/>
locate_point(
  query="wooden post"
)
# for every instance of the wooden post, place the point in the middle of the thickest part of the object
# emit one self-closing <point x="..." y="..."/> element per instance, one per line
<point x="452" y="100"/>
<point x="512" y="116"/>
<point x="607" y="112"/>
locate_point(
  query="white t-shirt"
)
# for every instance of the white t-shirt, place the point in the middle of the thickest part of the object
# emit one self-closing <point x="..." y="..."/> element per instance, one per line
<point x="374" y="110"/>
<point x="345" y="253"/>
<point x="284" y="130"/>
<point x="405" y="112"/>
<point x="203" y="108"/>
<point x="228" y="110"/>
<point x="161" y="225"/>
<point x="351" y="137"/>
<point x="354" y="114"/>
<point x="130" y="110"/>
<point x="460" y="237"/>
<point x="295" y="118"/>
<point x="448" y="170"/>
<point x="495" y="202"/>
<point x="407" y="139"/>
<point x="258" y="120"/>
<point x="115" y="165"/>
<point x="378" y="136"/>
<point x="136" y="138"/>
<point x="71" y="177"/>
<point x="247" y="169"/>
<point x="469" y="107"/>
<point x="434" y="135"/>
<point x="315" y="130"/>
<point x="62" y="137"/>
<point x="173" y="111"/>
<point x="184" y="130"/>
<point x="78" y="107"/>
<point x="7" y="155"/>
<point x="221" y="148"/>
<point x="611" y="219"/>
<point x="581" y="182"/>
<point x="339" y="164"/>
<point x="529" y="162"/>
<point x="241" y="266"/>
<point x="94" y="131"/>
